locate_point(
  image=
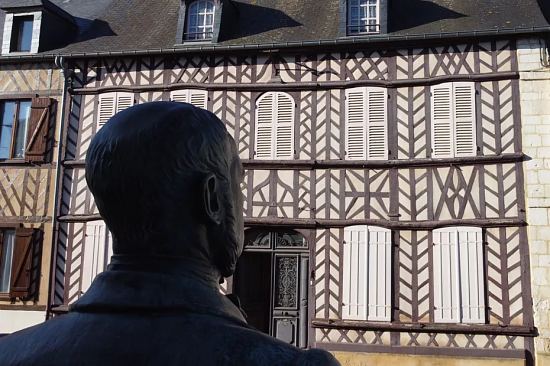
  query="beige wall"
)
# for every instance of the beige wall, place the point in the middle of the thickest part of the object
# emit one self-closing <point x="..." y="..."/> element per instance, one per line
<point x="535" y="109"/>
<point x="379" y="359"/>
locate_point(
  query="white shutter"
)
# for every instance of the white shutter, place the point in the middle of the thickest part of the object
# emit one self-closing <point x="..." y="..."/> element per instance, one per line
<point x="464" y="119"/>
<point x="107" y="105"/>
<point x="284" y="126"/>
<point x="354" y="302"/>
<point x="446" y="285"/>
<point x="123" y="101"/>
<point x="472" y="283"/>
<point x="442" y="121"/>
<point x="180" y="96"/>
<point x="96" y="252"/>
<point x="198" y="98"/>
<point x="355" y="124"/>
<point x="379" y="274"/>
<point x="264" y="126"/>
<point x="377" y="130"/>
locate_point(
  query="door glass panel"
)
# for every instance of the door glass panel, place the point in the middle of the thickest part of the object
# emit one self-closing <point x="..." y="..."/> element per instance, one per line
<point x="286" y="279"/>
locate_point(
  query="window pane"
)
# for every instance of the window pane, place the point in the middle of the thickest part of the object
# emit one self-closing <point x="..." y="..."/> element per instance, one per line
<point x="6" y="260"/>
<point x="21" y="38"/>
<point x="22" y="124"/>
<point x="200" y="19"/>
<point x="6" y="128"/>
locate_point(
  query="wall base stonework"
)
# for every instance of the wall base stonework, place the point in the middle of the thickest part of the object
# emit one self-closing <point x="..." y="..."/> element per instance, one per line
<point x="379" y="359"/>
<point x="535" y="113"/>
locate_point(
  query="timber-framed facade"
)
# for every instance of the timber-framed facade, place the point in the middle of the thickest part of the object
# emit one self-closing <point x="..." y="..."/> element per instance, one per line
<point x="319" y="192"/>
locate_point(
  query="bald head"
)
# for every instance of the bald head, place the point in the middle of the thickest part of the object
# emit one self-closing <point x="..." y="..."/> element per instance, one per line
<point x="163" y="178"/>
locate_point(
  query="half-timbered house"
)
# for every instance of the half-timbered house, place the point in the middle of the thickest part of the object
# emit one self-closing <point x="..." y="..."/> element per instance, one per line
<point x="385" y="203"/>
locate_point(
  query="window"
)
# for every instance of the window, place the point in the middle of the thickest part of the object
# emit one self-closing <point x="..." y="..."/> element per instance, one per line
<point x="113" y="103"/>
<point x="459" y="284"/>
<point x="363" y="16"/>
<point x="367" y="273"/>
<point x="14" y="123"/>
<point x="200" y="20"/>
<point x="274" y="126"/>
<point x="7" y="243"/>
<point x="198" y="98"/>
<point x="453" y="120"/>
<point x="366" y="124"/>
<point x="21" y="33"/>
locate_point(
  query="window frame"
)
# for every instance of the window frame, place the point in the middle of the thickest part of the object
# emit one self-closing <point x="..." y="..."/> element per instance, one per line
<point x="5" y="295"/>
<point x="16" y="33"/>
<point x="362" y="29"/>
<point x="199" y="36"/>
<point x="15" y="120"/>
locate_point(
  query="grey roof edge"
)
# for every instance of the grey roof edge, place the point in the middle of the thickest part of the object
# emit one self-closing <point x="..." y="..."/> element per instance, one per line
<point x="268" y="46"/>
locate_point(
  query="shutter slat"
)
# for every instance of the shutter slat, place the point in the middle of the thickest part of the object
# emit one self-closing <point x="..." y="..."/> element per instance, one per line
<point x="445" y="275"/>
<point x="354" y="302"/>
<point x="264" y="127"/>
<point x="379" y="274"/>
<point x="107" y="103"/>
<point x="356" y="124"/>
<point x="464" y="119"/>
<point x="198" y="98"/>
<point x="96" y="252"/>
<point x="442" y="121"/>
<point x="472" y="283"/>
<point x="179" y="96"/>
<point x="38" y="129"/>
<point x="284" y="132"/>
<point x="124" y="100"/>
<point x="377" y="146"/>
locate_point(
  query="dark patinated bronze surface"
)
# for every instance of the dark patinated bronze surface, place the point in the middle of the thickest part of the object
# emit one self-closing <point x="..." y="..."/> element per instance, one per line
<point x="166" y="179"/>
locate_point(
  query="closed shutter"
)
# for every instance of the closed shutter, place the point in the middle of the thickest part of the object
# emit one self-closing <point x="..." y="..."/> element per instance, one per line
<point x="23" y="276"/>
<point x="107" y="107"/>
<point x="96" y="252"/>
<point x="464" y="119"/>
<point x="354" y="302"/>
<point x="355" y="124"/>
<point x="113" y="103"/>
<point x="38" y="130"/>
<point x="472" y="282"/>
<point x="198" y="98"/>
<point x="264" y="126"/>
<point x="379" y="274"/>
<point x="446" y="285"/>
<point x="442" y="121"/>
<point x="284" y="126"/>
<point x="377" y="145"/>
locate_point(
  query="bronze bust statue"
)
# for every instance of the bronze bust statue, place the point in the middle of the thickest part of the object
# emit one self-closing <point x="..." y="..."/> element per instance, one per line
<point x="166" y="179"/>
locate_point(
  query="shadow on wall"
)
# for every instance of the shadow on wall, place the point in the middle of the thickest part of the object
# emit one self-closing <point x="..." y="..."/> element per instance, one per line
<point x="255" y="19"/>
<point x="425" y="12"/>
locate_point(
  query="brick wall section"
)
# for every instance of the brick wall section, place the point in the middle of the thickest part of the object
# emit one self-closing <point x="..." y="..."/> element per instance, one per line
<point x="535" y="110"/>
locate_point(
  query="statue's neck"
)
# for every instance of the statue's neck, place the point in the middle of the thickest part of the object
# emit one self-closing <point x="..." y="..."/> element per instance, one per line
<point x="177" y="266"/>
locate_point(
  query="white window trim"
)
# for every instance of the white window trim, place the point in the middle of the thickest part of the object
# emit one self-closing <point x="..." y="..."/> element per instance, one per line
<point x="8" y="27"/>
<point x="372" y="274"/>
<point x="458" y="268"/>
<point x="201" y="32"/>
<point x="351" y="26"/>
<point x="275" y="123"/>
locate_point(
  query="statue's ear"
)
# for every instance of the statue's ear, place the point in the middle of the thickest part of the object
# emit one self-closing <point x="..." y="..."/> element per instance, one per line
<point x="211" y="199"/>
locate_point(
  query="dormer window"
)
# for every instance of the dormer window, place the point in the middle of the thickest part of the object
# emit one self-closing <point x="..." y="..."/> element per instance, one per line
<point x="200" y="20"/>
<point x="21" y="34"/>
<point x="363" y="16"/>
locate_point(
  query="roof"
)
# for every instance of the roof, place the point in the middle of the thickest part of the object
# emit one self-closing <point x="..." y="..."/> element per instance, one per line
<point x="132" y="25"/>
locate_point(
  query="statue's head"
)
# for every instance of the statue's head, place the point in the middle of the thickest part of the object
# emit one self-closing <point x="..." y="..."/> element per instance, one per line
<point x="166" y="179"/>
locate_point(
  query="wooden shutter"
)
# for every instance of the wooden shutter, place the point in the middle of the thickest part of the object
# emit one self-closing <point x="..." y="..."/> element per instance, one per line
<point x="472" y="280"/>
<point x="96" y="252"/>
<point x="264" y="126"/>
<point x="446" y="285"/>
<point x="442" y="121"/>
<point x="107" y="108"/>
<point x="38" y="130"/>
<point x="123" y="101"/>
<point x="464" y="119"/>
<point x="377" y="122"/>
<point x="355" y="124"/>
<point x="379" y="274"/>
<point x="24" y="249"/>
<point x="198" y="98"/>
<point x="354" y="302"/>
<point x="284" y="126"/>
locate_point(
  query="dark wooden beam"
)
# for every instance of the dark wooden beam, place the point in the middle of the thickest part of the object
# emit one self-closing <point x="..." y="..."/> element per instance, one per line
<point x="428" y="328"/>
<point x="278" y="86"/>
<point x="361" y="164"/>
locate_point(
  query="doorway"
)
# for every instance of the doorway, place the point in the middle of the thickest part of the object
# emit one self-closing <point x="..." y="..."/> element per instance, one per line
<point x="271" y="281"/>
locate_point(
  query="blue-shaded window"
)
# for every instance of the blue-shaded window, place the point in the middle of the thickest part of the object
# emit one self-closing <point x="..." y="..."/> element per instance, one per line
<point x="21" y="34"/>
<point x="14" y="121"/>
<point x="200" y="20"/>
<point x="363" y="16"/>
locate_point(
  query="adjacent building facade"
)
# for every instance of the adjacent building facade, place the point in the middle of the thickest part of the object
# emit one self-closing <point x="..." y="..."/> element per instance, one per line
<point x="385" y="203"/>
